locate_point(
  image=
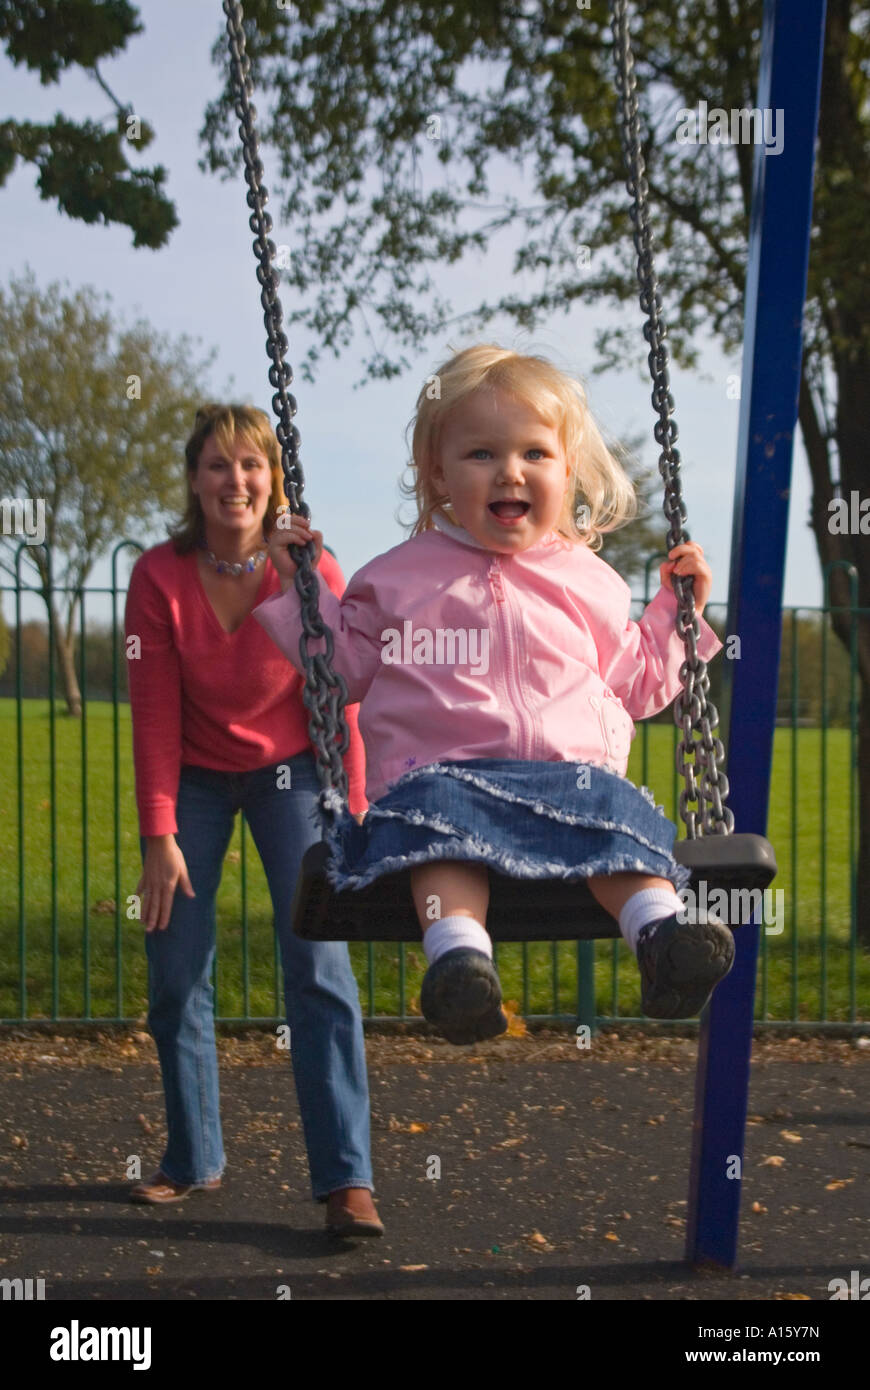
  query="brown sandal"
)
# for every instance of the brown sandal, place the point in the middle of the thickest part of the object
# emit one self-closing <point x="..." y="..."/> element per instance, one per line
<point x="159" y="1190"/>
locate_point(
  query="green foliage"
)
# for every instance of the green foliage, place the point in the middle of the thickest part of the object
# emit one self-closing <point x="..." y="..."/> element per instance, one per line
<point x="83" y="167"/>
<point x="355" y="89"/>
<point x="50" y="35"/>
<point x="106" y="464"/>
<point x="93" y="420"/>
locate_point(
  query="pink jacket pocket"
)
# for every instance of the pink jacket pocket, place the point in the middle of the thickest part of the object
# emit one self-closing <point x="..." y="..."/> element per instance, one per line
<point x="617" y="726"/>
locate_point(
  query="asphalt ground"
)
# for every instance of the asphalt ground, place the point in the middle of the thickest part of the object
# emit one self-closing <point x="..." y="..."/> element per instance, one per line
<point x="560" y="1169"/>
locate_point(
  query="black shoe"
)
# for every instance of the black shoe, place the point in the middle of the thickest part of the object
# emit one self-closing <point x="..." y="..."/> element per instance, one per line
<point x="461" y="995"/>
<point x="681" y="963"/>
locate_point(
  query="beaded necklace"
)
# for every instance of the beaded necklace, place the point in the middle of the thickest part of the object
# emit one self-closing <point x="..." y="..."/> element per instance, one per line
<point x="228" y="567"/>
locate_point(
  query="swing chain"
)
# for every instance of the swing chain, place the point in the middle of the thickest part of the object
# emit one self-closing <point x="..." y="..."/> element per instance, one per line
<point x="324" y="691"/>
<point x="694" y="713"/>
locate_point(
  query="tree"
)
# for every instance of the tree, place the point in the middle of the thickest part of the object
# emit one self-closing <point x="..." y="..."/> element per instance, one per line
<point x="83" y="166"/>
<point x="92" y="422"/>
<point x="359" y="95"/>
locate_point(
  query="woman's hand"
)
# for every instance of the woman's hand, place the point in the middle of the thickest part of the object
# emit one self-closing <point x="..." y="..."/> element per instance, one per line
<point x="291" y="529"/>
<point x="164" y="868"/>
<point x="691" y="562"/>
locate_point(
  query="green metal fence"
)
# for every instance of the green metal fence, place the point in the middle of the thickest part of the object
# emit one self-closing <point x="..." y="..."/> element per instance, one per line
<point x="71" y="948"/>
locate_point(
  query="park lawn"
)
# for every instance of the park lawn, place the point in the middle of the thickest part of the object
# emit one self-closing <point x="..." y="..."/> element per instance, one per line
<point x="85" y="960"/>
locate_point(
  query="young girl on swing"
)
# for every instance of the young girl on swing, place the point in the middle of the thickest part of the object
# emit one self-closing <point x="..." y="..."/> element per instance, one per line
<point x="498" y="675"/>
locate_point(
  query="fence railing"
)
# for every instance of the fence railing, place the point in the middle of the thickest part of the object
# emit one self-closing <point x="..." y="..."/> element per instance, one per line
<point x="71" y="948"/>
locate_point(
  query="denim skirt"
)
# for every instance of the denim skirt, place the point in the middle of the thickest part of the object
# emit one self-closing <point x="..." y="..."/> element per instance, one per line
<point x="524" y="819"/>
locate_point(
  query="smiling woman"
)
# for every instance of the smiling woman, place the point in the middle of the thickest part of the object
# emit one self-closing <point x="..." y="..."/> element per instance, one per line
<point x="219" y="725"/>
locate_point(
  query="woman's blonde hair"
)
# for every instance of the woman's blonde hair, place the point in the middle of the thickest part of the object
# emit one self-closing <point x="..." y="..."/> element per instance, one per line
<point x="598" y="482"/>
<point x="226" y="422"/>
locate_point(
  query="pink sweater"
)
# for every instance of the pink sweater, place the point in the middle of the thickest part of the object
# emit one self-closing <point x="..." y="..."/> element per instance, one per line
<point x="200" y="695"/>
<point x="457" y="652"/>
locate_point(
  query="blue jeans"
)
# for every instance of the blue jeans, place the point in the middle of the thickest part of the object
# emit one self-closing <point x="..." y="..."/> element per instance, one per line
<point x="320" y="992"/>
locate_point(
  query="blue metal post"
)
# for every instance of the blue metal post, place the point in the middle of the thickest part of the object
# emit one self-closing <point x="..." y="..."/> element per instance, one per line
<point x="789" y="83"/>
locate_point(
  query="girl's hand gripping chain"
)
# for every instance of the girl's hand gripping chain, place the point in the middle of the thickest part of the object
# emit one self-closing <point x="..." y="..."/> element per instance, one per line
<point x="291" y="529"/>
<point x="691" y="562"/>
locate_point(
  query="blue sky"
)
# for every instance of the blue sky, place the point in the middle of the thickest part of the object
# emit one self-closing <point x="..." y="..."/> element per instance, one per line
<point x="203" y="283"/>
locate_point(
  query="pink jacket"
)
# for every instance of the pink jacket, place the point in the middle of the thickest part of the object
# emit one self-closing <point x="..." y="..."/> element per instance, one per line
<point x="457" y="652"/>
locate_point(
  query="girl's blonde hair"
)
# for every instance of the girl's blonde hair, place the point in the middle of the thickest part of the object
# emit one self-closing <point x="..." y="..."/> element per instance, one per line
<point x="598" y="481"/>
<point x="226" y="422"/>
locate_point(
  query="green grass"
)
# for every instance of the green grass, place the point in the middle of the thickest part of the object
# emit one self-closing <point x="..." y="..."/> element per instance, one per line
<point x="815" y="938"/>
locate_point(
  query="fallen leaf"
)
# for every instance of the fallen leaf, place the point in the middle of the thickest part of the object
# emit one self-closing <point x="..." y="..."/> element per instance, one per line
<point x="146" y="1125"/>
<point x="153" y="1269"/>
<point x="611" y="1235"/>
<point x="417" y="1128"/>
<point x="841" y="1182"/>
<point x="790" y="1135"/>
<point x="516" y="1024"/>
<point x="804" y="1297"/>
<point x="759" y="1207"/>
<point x="412" y="1269"/>
<point x="772" y="1161"/>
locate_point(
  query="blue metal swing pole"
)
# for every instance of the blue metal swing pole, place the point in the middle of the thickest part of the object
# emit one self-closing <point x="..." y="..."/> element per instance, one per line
<point x="782" y="200"/>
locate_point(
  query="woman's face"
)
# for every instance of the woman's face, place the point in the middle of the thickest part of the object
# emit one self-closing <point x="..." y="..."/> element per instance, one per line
<point x="233" y="489"/>
<point x="503" y="470"/>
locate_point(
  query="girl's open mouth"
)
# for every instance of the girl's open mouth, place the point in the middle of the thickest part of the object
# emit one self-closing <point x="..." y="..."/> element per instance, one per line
<point x="508" y="512"/>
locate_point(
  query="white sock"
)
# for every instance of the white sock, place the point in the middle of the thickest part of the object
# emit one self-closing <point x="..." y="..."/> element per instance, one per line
<point x="452" y="932"/>
<point x="649" y="905"/>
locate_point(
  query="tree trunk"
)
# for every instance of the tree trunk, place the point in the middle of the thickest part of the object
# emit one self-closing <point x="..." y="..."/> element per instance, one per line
<point x="64" y="644"/>
<point x="831" y="547"/>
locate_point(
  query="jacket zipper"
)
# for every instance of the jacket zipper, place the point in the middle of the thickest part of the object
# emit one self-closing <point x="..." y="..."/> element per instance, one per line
<point x="495" y="576"/>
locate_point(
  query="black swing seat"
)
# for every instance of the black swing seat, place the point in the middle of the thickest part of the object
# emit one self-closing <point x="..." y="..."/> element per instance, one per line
<point x="520" y="909"/>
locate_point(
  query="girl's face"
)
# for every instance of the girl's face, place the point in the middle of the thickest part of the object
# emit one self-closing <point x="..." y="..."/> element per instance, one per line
<point x="503" y="470"/>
